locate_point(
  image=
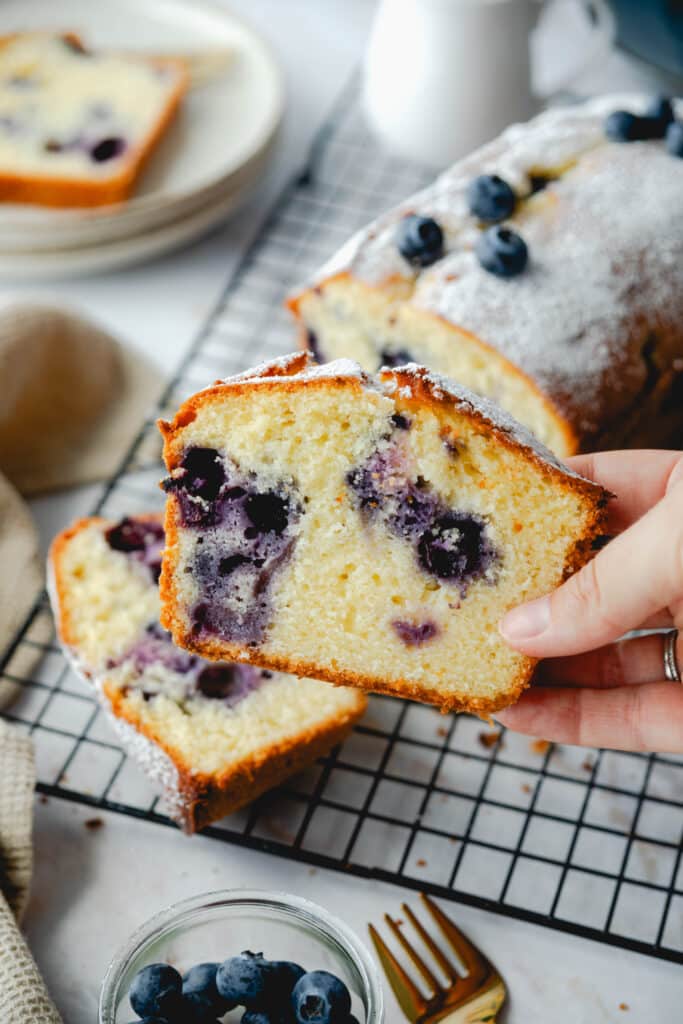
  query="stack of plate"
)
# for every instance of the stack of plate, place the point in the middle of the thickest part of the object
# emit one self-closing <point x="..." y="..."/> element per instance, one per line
<point x="206" y="165"/>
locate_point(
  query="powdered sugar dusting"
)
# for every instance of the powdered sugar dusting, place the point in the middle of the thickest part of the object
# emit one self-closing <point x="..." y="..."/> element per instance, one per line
<point x="272" y="370"/>
<point x="606" y="257"/>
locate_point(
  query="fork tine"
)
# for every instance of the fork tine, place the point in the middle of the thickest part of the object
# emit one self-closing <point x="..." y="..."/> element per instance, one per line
<point x="443" y="962"/>
<point x="409" y="997"/>
<point x="474" y="961"/>
<point x="432" y="982"/>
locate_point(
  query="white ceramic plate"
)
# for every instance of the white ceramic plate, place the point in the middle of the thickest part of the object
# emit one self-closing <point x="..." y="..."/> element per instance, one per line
<point x="50" y="265"/>
<point x="223" y="128"/>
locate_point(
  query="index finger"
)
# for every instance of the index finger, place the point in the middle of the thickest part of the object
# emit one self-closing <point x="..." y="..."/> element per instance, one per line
<point x="639" y="479"/>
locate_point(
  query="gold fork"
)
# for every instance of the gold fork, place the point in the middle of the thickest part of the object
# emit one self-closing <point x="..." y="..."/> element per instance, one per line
<point x="469" y="998"/>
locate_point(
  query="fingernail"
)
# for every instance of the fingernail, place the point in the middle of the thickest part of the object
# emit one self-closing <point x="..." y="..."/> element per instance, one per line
<point x="527" y="621"/>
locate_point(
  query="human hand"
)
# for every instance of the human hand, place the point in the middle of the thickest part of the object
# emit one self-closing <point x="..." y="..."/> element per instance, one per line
<point x="595" y="689"/>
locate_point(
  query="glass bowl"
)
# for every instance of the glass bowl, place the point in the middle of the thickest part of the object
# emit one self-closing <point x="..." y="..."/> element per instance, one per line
<point x="217" y="925"/>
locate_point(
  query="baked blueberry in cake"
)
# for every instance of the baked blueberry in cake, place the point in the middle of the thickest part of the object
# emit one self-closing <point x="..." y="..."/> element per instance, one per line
<point x="77" y="125"/>
<point x="544" y="271"/>
<point x="365" y="530"/>
<point x="214" y="734"/>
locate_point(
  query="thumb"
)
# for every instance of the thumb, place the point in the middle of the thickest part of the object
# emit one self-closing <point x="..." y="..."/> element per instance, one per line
<point x="635" y="575"/>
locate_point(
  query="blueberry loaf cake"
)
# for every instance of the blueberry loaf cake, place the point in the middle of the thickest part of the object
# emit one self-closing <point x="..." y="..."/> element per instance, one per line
<point x="544" y="271"/>
<point x="76" y="126"/>
<point x="365" y="530"/>
<point x="215" y="736"/>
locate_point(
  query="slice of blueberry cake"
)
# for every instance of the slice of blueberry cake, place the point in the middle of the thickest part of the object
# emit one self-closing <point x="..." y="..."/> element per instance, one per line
<point x="364" y="530"/>
<point x="77" y="125"/>
<point x="215" y="735"/>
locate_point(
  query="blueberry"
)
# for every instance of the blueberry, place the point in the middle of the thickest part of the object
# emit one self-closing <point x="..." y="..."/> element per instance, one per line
<point x="200" y="992"/>
<point x="395" y="357"/>
<point x="133" y="535"/>
<point x="285" y="976"/>
<point x="204" y="474"/>
<point x="283" y="1015"/>
<point x="156" y="991"/>
<point x="623" y="126"/>
<point x="453" y="548"/>
<point x="661" y="113"/>
<point x="490" y="198"/>
<point x="400" y="421"/>
<point x="268" y="512"/>
<point x="415" y="635"/>
<point x="502" y="251"/>
<point x="107" y="149"/>
<point x="245" y="979"/>
<point x="419" y="240"/>
<point x="228" y="564"/>
<point x="674" y="138"/>
<point x="217" y="680"/>
<point x="313" y="346"/>
<point x="321" y="998"/>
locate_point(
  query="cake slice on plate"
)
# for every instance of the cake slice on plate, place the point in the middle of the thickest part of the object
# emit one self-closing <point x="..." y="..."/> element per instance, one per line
<point x="78" y="125"/>
<point x="215" y="736"/>
<point x="367" y="530"/>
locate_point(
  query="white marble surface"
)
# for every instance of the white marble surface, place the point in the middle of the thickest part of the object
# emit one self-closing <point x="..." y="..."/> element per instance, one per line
<point x="93" y="887"/>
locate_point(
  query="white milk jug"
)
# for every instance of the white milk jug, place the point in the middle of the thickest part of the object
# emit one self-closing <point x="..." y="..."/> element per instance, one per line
<point x="443" y="76"/>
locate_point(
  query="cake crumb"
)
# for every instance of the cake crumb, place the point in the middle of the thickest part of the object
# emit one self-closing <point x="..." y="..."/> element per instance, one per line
<point x="441" y="731"/>
<point x="488" y="739"/>
<point x="421" y="862"/>
<point x="93" y="824"/>
<point x="526" y="788"/>
<point x="43" y="799"/>
<point x="624" y="1006"/>
<point x="587" y="765"/>
<point x="539" y="746"/>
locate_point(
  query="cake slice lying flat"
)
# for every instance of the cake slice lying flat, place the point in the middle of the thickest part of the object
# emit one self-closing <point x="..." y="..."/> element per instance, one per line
<point x="76" y="125"/>
<point x="364" y="530"/>
<point x="214" y="735"/>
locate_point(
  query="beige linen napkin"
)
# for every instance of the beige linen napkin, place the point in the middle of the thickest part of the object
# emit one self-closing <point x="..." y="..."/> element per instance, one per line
<point x="73" y="398"/>
<point x="23" y="997"/>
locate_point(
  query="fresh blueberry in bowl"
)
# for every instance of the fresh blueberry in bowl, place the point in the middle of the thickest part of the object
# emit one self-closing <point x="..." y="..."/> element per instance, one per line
<point x="285" y="976"/>
<point x="245" y="980"/>
<point x="200" y="992"/>
<point x="674" y="138"/>
<point x="490" y="198"/>
<point x="321" y="998"/>
<point x="502" y="251"/>
<point x="156" y="991"/>
<point x="419" y="240"/>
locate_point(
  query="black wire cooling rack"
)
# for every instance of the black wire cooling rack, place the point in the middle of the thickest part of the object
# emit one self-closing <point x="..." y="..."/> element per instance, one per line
<point x="585" y="841"/>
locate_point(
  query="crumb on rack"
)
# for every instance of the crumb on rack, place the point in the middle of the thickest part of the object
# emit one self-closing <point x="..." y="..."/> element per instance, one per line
<point x="587" y="765"/>
<point x="421" y="862"/>
<point x="93" y="824"/>
<point x="539" y="746"/>
<point x="624" y="1006"/>
<point x="441" y="731"/>
<point x="488" y="739"/>
<point x="526" y="788"/>
<point x="43" y="799"/>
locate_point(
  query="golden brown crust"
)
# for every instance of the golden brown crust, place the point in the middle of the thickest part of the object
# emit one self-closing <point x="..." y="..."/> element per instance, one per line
<point x="75" y="192"/>
<point x="207" y="797"/>
<point x="414" y="389"/>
